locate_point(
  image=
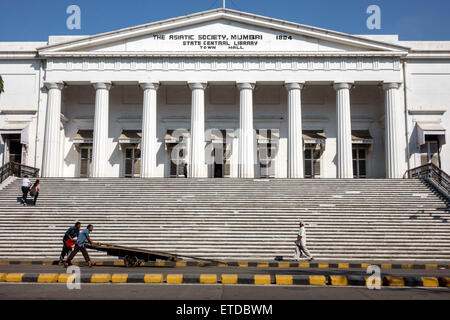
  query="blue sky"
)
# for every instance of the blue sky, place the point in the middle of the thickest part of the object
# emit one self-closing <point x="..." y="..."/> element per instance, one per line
<point x="33" y="20"/>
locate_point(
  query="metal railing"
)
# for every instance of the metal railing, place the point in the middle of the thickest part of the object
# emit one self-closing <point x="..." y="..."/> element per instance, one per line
<point x="17" y="170"/>
<point x="434" y="175"/>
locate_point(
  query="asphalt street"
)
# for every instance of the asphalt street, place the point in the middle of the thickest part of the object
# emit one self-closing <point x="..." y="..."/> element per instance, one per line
<point x="24" y="291"/>
<point x="109" y="291"/>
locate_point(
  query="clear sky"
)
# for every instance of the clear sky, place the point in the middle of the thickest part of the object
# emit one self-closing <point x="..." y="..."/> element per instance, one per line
<point x="35" y="20"/>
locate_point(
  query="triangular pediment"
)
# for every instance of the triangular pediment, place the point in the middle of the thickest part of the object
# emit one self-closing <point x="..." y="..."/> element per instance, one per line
<point x="221" y="31"/>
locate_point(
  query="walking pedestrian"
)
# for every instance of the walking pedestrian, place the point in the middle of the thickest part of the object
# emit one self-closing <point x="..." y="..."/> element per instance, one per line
<point x="25" y="188"/>
<point x="69" y="241"/>
<point x="185" y="170"/>
<point x="34" y="190"/>
<point x="80" y="245"/>
<point x="301" y="249"/>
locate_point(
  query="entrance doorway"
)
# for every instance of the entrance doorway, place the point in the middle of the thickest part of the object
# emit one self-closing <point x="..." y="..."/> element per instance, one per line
<point x="177" y="161"/>
<point x="430" y="152"/>
<point x="132" y="162"/>
<point x="311" y="157"/>
<point x="359" y="162"/>
<point x="266" y="160"/>
<point x="220" y="165"/>
<point x="85" y="162"/>
<point x="14" y="149"/>
<point x="11" y="150"/>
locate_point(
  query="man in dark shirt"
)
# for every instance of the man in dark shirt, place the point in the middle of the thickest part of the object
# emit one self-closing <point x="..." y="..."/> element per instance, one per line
<point x="68" y="240"/>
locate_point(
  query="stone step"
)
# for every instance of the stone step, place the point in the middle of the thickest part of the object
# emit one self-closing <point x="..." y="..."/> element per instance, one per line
<point x="233" y="219"/>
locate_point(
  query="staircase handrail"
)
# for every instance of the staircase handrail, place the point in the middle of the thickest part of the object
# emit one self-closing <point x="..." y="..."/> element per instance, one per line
<point x="433" y="174"/>
<point x="17" y="169"/>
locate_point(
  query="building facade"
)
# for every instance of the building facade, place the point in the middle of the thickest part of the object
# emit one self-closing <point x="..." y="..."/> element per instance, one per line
<point x="224" y="93"/>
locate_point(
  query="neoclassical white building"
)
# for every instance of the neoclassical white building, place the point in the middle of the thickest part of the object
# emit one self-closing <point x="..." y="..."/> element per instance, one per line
<point x="228" y="93"/>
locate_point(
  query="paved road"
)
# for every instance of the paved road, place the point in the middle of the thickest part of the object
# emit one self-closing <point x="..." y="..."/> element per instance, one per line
<point x="221" y="270"/>
<point x="213" y="292"/>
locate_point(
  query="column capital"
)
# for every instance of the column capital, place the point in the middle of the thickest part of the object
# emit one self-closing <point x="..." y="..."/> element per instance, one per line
<point x="290" y="85"/>
<point x="245" y="85"/>
<point x="54" y="85"/>
<point x="197" y="85"/>
<point x="342" y="85"/>
<point x="149" y="85"/>
<point x="391" y="85"/>
<point x="101" y="85"/>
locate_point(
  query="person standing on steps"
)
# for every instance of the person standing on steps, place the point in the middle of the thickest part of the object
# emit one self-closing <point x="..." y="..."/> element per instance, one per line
<point x="185" y="169"/>
<point x="25" y="188"/>
<point x="301" y="249"/>
<point x="34" y="190"/>
<point x="81" y="245"/>
<point x="69" y="241"/>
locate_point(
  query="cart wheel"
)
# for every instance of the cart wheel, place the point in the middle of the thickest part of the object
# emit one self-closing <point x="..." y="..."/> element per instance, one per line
<point x="130" y="261"/>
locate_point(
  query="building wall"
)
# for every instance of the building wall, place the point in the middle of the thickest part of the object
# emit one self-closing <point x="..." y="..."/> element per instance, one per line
<point x="428" y="89"/>
<point x="20" y="102"/>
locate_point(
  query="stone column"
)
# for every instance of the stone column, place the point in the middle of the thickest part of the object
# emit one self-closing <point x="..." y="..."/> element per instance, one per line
<point x="149" y="124"/>
<point x="246" y="165"/>
<point x="295" y="134"/>
<point x="101" y="121"/>
<point x="344" y="130"/>
<point x="197" y="165"/>
<point x="52" y="157"/>
<point x="394" y="153"/>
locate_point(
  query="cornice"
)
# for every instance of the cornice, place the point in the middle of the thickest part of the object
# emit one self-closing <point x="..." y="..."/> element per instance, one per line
<point x="230" y="63"/>
<point x="425" y="112"/>
<point x="217" y="54"/>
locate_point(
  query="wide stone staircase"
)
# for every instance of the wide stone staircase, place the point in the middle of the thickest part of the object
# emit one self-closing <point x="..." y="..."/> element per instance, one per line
<point x="232" y="219"/>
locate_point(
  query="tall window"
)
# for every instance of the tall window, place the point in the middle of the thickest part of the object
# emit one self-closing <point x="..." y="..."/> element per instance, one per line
<point x="312" y="162"/>
<point x="177" y="161"/>
<point x="429" y="153"/>
<point x="15" y="150"/>
<point x="221" y="164"/>
<point x="266" y="161"/>
<point x="268" y="145"/>
<point x="359" y="162"/>
<point x="132" y="162"/>
<point x="85" y="162"/>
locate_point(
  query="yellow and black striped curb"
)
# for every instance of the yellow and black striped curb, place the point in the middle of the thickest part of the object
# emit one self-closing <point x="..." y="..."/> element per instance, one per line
<point x="257" y="279"/>
<point x="287" y="264"/>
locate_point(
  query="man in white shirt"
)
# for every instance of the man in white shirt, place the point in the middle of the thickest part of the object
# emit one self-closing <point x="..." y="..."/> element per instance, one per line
<point x="25" y="188"/>
<point x="300" y="248"/>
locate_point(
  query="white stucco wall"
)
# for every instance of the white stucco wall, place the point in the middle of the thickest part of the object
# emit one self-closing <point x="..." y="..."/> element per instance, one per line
<point x="428" y="84"/>
<point x="20" y="101"/>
